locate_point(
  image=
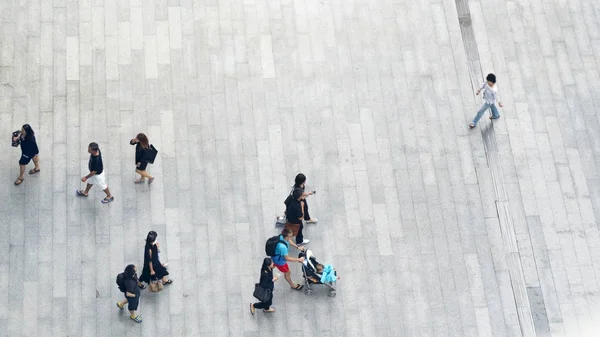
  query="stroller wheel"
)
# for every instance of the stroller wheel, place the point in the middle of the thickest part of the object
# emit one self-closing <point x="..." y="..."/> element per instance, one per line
<point x="332" y="293"/>
<point x="308" y="291"/>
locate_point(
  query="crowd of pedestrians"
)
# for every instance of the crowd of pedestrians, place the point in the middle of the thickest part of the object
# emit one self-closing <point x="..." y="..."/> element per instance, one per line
<point x="154" y="272"/>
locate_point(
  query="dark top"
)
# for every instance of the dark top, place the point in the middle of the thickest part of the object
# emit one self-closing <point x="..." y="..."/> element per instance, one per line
<point x="159" y="270"/>
<point x="132" y="287"/>
<point x="95" y="163"/>
<point x="293" y="211"/>
<point x="266" y="279"/>
<point x="29" y="147"/>
<point x="141" y="154"/>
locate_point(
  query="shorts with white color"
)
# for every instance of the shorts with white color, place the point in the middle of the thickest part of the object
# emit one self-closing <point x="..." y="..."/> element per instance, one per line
<point x="98" y="179"/>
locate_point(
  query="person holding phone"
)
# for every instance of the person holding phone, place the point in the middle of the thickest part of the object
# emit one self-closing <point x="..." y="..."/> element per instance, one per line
<point x="153" y="269"/>
<point x="29" y="151"/>
<point x="142" y="151"/>
<point x="300" y="182"/>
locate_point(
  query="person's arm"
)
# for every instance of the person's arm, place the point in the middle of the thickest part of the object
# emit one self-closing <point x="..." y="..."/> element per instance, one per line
<point x="91" y="174"/>
<point x="128" y="294"/>
<point x="150" y="263"/>
<point x="482" y="86"/>
<point x="497" y="96"/>
<point x="133" y="141"/>
<point x="293" y="259"/>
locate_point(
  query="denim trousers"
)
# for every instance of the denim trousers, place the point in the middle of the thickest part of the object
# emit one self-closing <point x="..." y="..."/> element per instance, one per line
<point x="484" y="107"/>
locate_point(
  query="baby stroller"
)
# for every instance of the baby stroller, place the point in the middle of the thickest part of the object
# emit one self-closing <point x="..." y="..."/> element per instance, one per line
<point x="311" y="276"/>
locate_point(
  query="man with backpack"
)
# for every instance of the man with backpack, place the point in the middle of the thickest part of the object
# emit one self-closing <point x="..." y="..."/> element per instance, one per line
<point x="277" y="248"/>
<point x="130" y="286"/>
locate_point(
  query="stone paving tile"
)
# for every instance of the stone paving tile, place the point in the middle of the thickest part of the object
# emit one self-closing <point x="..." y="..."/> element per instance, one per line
<point x="239" y="96"/>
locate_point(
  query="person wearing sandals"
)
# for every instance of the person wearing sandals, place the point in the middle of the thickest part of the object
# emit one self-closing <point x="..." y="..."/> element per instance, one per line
<point x="267" y="281"/>
<point x="282" y="257"/>
<point x="96" y="175"/>
<point x="153" y="268"/>
<point x="29" y="151"/>
<point x="132" y="288"/>
<point x="142" y="147"/>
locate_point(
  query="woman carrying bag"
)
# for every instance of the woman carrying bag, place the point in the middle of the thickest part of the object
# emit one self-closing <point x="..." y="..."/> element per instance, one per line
<point x="154" y="272"/>
<point x="263" y="290"/>
<point x="145" y="154"/>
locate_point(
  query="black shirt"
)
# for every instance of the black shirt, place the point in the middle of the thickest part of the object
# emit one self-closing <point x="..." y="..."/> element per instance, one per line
<point x="266" y="279"/>
<point x="293" y="211"/>
<point x="132" y="287"/>
<point x="29" y="147"/>
<point x="95" y="163"/>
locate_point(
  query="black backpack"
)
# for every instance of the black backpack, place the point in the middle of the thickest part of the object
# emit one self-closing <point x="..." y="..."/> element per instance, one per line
<point x="121" y="282"/>
<point x="272" y="244"/>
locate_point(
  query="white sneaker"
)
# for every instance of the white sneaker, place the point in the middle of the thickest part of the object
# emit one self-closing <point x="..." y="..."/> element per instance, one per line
<point x="305" y="242"/>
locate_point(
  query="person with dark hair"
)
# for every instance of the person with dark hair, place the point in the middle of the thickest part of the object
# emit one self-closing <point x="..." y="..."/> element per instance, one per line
<point x="281" y="257"/>
<point x="132" y="288"/>
<point x="300" y="182"/>
<point x="153" y="269"/>
<point x="295" y="214"/>
<point x="96" y="175"/>
<point x="267" y="281"/>
<point x="490" y="97"/>
<point x="142" y="149"/>
<point x="29" y="151"/>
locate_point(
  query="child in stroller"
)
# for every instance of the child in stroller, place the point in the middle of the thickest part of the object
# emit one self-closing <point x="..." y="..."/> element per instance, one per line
<point x="312" y="271"/>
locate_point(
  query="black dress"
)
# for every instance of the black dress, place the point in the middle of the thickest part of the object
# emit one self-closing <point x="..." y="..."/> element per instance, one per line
<point x="140" y="156"/>
<point x="159" y="270"/>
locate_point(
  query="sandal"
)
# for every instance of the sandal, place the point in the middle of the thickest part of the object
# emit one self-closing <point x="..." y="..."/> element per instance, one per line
<point x="298" y="287"/>
<point x="252" y="309"/>
<point x="80" y="193"/>
<point x="150" y="180"/>
<point x="471" y="125"/>
<point x="311" y="220"/>
<point x="19" y="181"/>
<point x="270" y="310"/>
<point x="136" y="319"/>
<point x="120" y="307"/>
<point x="139" y="181"/>
<point x="34" y="171"/>
<point x="168" y="282"/>
<point x="107" y="200"/>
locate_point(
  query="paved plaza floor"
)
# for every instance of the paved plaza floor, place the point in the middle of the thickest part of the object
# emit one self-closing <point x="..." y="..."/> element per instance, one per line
<point x="435" y="229"/>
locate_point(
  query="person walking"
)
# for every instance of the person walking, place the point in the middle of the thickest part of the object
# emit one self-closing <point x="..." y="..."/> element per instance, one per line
<point x="153" y="268"/>
<point x="96" y="175"/>
<point x="490" y="98"/>
<point x="267" y="281"/>
<point x="300" y="182"/>
<point x="131" y="289"/>
<point x="281" y="257"/>
<point x="295" y="214"/>
<point x="29" y="151"/>
<point x="142" y="149"/>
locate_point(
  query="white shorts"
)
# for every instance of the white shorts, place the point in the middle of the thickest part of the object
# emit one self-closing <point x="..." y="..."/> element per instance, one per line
<point x="99" y="180"/>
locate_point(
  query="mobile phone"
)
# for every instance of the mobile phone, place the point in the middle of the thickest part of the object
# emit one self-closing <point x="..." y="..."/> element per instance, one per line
<point x="314" y="192"/>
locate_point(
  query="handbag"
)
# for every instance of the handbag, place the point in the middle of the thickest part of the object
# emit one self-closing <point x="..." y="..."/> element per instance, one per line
<point x="156" y="286"/>
<point x="151" y="154"/>
<point x="295" y="228"/>
<point x="262" y="294"/>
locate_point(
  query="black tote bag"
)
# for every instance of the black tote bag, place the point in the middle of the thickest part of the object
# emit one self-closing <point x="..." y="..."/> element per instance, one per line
<point x="262" y="294"/>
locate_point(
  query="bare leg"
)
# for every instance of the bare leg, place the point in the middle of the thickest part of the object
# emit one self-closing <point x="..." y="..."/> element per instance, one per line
<point x="108" y="195"/>
<point x="144" y="174"/>
<point x="36" y="162"/>
<point x="288" y="278"/>
<point x="87" y="189"/>
<point x="21" y="171"/>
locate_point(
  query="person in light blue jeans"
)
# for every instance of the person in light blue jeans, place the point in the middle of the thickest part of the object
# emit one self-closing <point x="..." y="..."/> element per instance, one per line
<point x="490" y="97"/>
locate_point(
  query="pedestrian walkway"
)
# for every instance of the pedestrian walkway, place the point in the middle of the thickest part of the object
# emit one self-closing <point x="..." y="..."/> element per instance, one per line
<point x="435" y="229"/>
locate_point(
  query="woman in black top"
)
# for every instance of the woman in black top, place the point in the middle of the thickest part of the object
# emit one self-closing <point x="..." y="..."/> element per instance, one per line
<point x="142" y="148"/>
<point x="153" y="269"/>
<point x="300" y="182"/>
<point x="29" y="151"/>
<point x="267" y="281"/>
